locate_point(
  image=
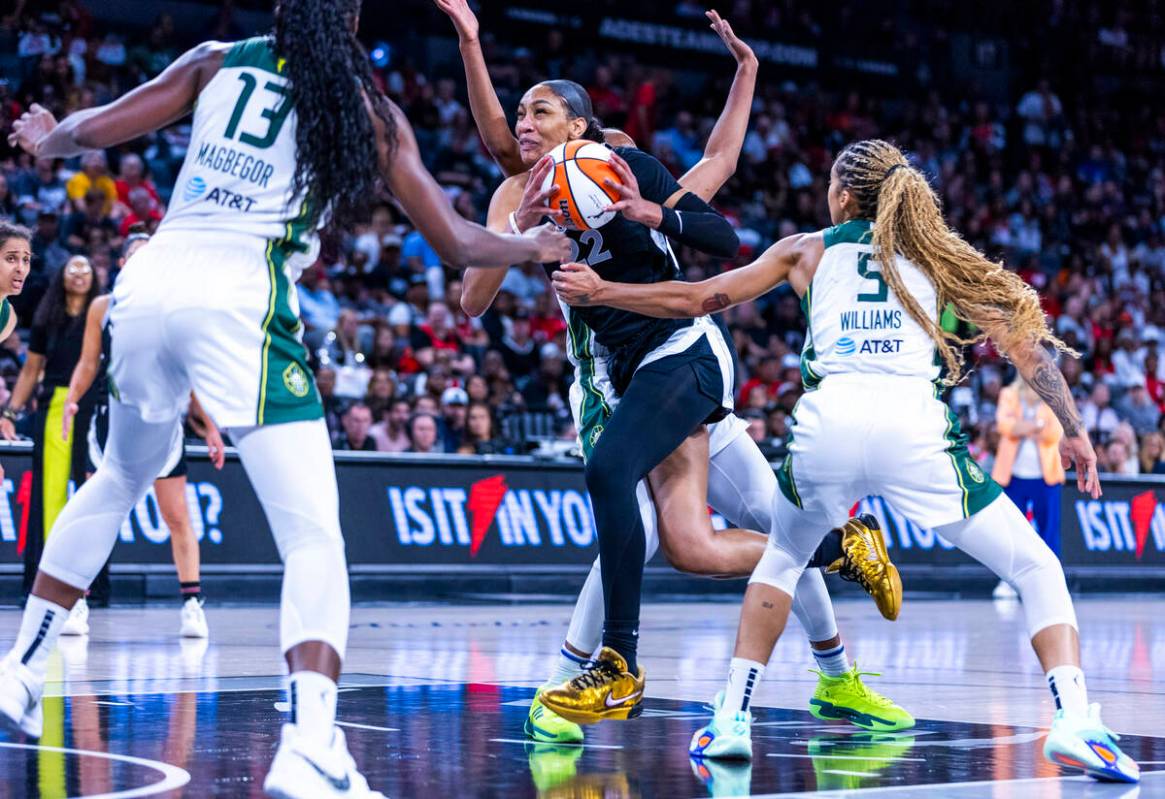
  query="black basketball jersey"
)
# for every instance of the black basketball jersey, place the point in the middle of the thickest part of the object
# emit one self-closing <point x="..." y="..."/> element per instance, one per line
<point x="629" y="252"/>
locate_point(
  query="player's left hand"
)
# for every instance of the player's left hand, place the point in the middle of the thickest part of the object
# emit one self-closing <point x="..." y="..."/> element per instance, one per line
<point x="33" y="126"/>
<point x="214" y="445"/>
<point x="576" y="284"/>
<point x="740" y="51"/>
<point x="631" y="203"/>
<point x="1078" y="449"/>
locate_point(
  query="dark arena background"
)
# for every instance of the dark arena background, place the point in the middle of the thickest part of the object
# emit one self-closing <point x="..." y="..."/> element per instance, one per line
<point x="1040" y="125"/>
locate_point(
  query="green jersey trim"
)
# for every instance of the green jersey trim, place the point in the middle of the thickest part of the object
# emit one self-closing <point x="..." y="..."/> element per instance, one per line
<point x="256" y="52"/>
<point x="809" y="377"/>
<point x="287" y="390"/>
<point x="5" y="313"/>
<point x="979" y="489"/>
<point x="854" y="231"/>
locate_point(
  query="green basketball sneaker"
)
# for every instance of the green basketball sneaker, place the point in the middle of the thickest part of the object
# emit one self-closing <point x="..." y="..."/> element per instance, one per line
<point x="546" y="726"/>
<point x="552" y="765"/>
<point x="847" y="698"/>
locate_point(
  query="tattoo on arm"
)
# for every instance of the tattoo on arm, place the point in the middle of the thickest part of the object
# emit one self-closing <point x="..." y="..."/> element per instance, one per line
<point x="717" y="302"/>
<point x="766" y="604"/>
<point x="1047" y="381"/>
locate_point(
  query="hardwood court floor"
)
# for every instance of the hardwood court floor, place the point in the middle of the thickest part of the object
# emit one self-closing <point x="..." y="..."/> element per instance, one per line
<point x="434" y="700"/>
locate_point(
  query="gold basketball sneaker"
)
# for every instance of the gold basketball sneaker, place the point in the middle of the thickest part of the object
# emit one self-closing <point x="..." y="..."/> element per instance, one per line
<point x="866" y="562"/>
<point x="606" y="690"/>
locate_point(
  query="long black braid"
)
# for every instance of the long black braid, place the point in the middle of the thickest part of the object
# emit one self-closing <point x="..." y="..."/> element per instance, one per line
<point x="330" y="76"/>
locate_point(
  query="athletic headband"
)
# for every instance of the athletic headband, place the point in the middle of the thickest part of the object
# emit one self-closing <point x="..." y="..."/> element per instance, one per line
<point x="578" y="102"/>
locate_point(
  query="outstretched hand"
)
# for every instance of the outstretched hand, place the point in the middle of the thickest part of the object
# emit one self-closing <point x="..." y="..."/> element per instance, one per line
<point x="576" y="284"/>
<point x="631" y="203"/>
<point x="1078" y="449"/>
<point x="464" y="20"/>
<point x="33" y="126"/>
<point x="740" y="51"/>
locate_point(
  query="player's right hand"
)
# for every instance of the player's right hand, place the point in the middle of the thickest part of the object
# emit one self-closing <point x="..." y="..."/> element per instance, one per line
<point x="70" y="411"/>
<point x="551" y="243"/>
<point x="34" y="125"/>
<point x="740" y="51"/>
<point x="463" y="18"/>
<point x="535" y="203"/>
<point x="1078" y="449"/>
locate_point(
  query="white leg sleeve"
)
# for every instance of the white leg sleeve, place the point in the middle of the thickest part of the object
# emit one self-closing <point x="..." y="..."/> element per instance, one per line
<point x="586" y="623"/>
<point x="1001" y="539"/>
<point x="86" y="530"/>
<point x="742" y="487"/>
<point x="292" y="472"/>
<point x="795" y="536"/>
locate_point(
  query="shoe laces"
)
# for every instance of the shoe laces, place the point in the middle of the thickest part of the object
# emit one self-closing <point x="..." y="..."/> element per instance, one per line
<point x="854" y="678"/>
<point x="595" y="674"/>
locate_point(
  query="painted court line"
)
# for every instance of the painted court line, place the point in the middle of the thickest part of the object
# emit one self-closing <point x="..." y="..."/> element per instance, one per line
<point x="172" y="776"/>
<point x="528" y="741"/>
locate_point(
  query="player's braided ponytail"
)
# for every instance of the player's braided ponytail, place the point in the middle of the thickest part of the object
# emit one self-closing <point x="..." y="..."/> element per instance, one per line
<point x="332" y="88"/>
<point x="907" y="220"/>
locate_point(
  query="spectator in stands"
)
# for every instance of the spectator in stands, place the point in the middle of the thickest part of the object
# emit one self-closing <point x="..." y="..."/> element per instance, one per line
<point x="1116" y="459"/>
<point x="89" y="222"/>
<point x="1152" y="453"/>
<point x="1027" y="460"/>
<point x="423" y="433"/>
<point x="1138" y="409"/>
<point x="391" y="432"/>
<point x="480" y="433"/>
<point x="333" y="408"/>
<point x="477" y="388"/>
<point x="518" y="348"/>
<point x="8" y="204"/>
<point x="545" y="391"/>
<point x="454" y="402"/>
<point x="42" y="191"/>
<point x="1127" y="370"/>
<point x="132" y="175"/>
<point x="142" y="211"/>
<point x="94" y="176"/>
<point x="767" y="378"/>
<point x="357" y="420"/>
<point x="1099" y="419"/>
<point x="381" y="391"/>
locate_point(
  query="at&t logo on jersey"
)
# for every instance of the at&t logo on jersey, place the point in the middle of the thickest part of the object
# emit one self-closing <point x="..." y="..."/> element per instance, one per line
<point x="195" y="188"/>
<point x="451" y="517"/>
<point x="846" y="346"/>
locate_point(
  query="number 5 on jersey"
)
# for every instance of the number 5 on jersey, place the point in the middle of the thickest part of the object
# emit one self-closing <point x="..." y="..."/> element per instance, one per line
<point x="882" y="292"/>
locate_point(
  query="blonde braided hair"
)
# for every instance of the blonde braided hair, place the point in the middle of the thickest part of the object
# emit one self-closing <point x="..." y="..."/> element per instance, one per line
<point x="907" y="220"/>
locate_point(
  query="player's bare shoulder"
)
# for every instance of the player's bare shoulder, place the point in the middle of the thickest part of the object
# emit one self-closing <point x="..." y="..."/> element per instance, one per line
<point x="804" y="254"/>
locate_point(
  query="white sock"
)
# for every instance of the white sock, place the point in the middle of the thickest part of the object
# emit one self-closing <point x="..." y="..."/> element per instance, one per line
<point x="40" y="626"/>
<point x="1068" y="689"/>
<point x="743" y="677"/>
<point x="567" y="667"/>
<point x="313" y="705"/>
<point x="833" y="662"/>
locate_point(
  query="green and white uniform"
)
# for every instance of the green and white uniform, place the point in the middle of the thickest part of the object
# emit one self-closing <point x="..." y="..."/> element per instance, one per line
<point x="872" y="421"/>
<point x="210" y="303"/>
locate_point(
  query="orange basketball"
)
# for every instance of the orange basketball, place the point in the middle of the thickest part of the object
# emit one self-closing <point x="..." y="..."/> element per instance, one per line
<point x="580" y="167"/>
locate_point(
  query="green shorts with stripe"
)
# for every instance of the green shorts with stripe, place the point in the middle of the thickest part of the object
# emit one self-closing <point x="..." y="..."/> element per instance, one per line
<point x="860" y="435"/>
<point x="217" y="315"/>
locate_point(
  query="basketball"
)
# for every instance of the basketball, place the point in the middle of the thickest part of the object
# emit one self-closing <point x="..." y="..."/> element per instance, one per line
<point x="580" y="167"/>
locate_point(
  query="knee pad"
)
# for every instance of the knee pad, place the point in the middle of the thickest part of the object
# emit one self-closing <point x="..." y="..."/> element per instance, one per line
<point x="316" y="603"/>
<point x="778" y="568"/>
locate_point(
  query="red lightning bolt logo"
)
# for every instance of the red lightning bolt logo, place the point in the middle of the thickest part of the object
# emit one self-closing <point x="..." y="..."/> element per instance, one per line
<point x="485" y="496"/>
<point x="1141" y="514"/>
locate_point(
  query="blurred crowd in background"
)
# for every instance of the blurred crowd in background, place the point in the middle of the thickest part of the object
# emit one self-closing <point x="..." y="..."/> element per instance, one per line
<point x="1065" y="186"/>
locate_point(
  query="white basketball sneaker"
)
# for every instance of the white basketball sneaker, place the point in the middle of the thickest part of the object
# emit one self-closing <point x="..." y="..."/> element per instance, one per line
<point x="728" y="737"/>
<point x="305" y="770"/>
<point x="1083" y="742"/>
<point x="20" y="706"/>
<point x="194" y="620"/>
<point x="78" y="621"/>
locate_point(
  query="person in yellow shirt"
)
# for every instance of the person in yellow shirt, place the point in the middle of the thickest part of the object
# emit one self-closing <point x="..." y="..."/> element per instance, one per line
<point x="94" y="172"/>
<point x="1027" y="463"/>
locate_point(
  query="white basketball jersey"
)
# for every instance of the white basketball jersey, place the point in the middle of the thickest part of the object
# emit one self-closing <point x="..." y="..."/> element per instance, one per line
<point x="856" y="323"/>
<point x="237" y="174"/>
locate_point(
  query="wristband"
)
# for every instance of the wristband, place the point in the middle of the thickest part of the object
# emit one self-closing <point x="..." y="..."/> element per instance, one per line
<point x="514" y="224"/>
<point x="9" y="414"/>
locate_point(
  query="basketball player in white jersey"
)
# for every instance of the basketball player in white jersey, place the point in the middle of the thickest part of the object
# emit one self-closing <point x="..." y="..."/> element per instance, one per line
<point x="872" y="288"/>
<point x="289" y="131"/>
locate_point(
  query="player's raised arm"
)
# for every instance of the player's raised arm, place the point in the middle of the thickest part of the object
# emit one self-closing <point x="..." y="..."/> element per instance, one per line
<point x="724" y="143"/>
<point x="483" y="100"/>
<point x="151" y="106"/>
<point x="458" y="241"/>
<point x="579" y="285"/>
